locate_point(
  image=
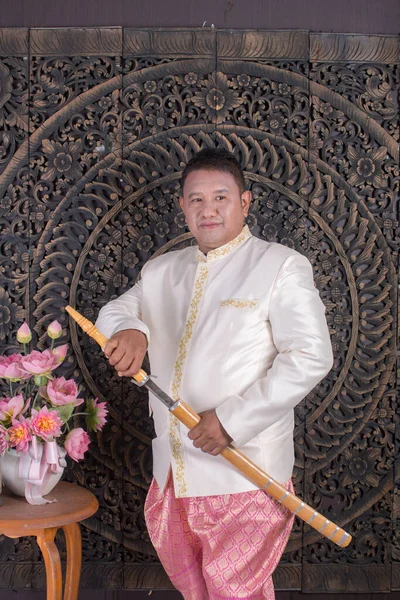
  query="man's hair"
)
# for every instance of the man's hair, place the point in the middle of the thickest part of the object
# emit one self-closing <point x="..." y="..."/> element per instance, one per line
<point x="215" y="159"/>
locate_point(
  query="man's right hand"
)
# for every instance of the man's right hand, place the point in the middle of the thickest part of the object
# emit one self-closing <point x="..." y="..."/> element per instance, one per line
<point x="125" y="351"/>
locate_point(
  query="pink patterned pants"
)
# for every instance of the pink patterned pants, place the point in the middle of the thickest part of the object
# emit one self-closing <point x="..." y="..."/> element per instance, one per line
<point x="218" y="547"/>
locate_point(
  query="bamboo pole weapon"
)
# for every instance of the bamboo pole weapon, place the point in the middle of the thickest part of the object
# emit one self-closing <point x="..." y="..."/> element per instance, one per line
<point x="188" y="417"/>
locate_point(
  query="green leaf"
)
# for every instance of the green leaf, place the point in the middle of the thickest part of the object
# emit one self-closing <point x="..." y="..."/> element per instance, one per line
<point x="65" y="412"/>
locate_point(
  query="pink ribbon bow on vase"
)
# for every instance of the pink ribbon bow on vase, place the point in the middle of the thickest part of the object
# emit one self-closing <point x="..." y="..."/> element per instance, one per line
<point x="37" y="466"/>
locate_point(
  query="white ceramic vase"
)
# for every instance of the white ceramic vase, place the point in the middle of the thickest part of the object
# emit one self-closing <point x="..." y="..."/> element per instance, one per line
<point x="9" y="465"/>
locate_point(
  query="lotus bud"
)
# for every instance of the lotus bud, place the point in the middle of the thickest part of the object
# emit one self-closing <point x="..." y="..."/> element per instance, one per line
<point x="24" y="334"/>
<point x="54" y="330"/>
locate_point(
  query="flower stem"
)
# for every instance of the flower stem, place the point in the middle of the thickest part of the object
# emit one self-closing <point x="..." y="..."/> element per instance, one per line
<point x="36" y="397"/>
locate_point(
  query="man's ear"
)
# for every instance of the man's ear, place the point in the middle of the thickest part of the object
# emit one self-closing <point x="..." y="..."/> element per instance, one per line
<point x="181" y="202"/>
<point x="246" y="199"/>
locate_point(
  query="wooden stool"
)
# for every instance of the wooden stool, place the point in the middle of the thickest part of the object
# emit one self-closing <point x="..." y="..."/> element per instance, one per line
<point x="18" y="519"/>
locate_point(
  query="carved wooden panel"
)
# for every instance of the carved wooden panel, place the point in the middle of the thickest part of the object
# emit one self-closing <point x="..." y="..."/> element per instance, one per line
<point x="96" y="126"/>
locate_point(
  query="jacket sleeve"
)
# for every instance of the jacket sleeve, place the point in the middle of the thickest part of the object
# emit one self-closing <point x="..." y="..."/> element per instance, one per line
<point x="123" y="313"/>
<point x="301" y="336"/>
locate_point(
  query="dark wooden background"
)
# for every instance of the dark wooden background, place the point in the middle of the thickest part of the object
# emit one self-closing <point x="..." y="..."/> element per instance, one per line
<point x="356" y="16"/>
<point x="95" y="126"/>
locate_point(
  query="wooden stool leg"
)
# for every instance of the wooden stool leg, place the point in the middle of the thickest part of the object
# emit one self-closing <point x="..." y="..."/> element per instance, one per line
<point x="73" y="541"/>
<point x="52" y="562"/>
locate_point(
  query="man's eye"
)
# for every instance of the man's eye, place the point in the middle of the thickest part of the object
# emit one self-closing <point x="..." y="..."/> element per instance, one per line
<point x="221" y="197"/>
<point x="195" y="200"/>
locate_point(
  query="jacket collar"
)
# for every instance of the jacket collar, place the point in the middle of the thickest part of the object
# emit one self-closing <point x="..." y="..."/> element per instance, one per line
<point x="225" y="250"/>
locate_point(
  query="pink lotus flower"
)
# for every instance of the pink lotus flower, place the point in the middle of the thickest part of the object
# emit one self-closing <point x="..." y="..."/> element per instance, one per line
<point x="46" y="423"/>
<point x="54" y="330"/>
<point x="76" y="443"/>
<point x="24" y="334"/>
<point x="4" y="445"/>
<point x="19" y="434"/>
<point x="61" y="352"/>
<point x="96" y="415"/>
<point x="11" y="368"/>
<point x="40" y="363"/>
<point x="49" y="418"/>
<point x="63" y="391"/>
<point x="11" y="407"/>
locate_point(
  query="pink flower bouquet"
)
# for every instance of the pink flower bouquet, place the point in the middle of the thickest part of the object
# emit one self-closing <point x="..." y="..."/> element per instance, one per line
<point x="37" y="415"/>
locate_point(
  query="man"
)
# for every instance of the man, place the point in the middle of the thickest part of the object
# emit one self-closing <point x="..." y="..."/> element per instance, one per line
<point x="235" y="328"/>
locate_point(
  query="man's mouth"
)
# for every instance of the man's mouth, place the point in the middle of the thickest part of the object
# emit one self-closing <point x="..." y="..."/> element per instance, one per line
<point x="209" y="225"/>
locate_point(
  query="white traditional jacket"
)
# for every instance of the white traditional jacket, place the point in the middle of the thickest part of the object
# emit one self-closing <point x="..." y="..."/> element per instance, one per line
<point x="241" y="330"/>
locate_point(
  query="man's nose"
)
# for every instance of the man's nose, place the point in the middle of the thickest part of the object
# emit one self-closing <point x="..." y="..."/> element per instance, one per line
<point x="209" y="208"/>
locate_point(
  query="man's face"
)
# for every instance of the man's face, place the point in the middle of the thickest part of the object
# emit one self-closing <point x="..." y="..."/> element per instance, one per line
<point x="214" y="207"/>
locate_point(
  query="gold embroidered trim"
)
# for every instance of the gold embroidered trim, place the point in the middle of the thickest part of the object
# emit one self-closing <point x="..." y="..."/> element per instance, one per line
<point x="239" y="303"/>
<point x="198" y="292"/>
<point x="227" y="248"/>
<point x="176" y="447"/>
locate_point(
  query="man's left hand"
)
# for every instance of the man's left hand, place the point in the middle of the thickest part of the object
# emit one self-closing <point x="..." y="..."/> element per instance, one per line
<point x="209" y="435"/>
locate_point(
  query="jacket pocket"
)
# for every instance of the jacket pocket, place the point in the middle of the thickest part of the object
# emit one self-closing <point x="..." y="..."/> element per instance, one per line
<point x="237" y="312"/>
<point x="238" y="304"/>
<point x="237" y="318"/>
